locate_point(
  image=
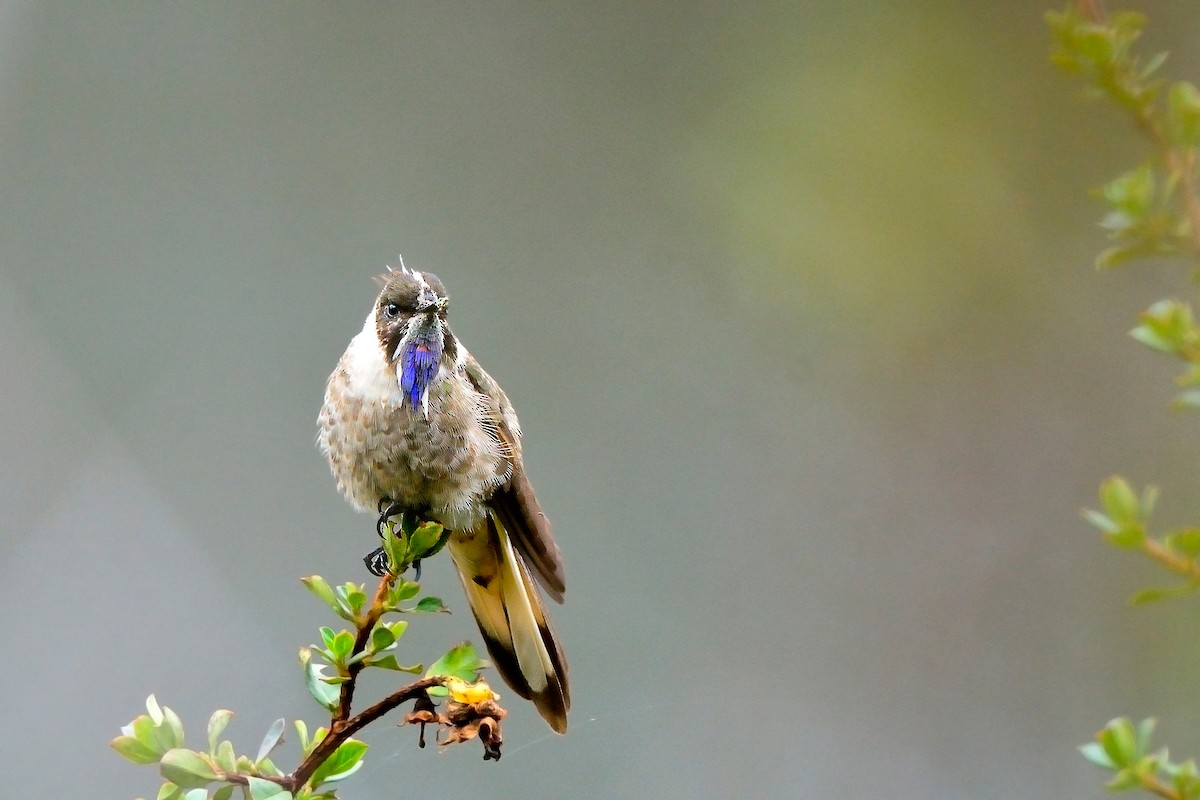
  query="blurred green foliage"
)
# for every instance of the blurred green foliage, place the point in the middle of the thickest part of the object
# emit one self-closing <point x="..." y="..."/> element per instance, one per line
<point x="1154" y="211"/>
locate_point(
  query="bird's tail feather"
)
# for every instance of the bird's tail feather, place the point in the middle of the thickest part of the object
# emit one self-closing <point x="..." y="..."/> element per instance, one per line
<point x="512" y="619"/>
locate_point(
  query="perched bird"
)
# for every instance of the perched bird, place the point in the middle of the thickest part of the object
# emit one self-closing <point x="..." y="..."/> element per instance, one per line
<point x="411" y="421"/>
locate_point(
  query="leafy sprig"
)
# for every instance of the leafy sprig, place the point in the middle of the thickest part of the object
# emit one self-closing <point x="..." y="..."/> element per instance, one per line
<point x="1154" y="211"/>
<point x="331" y="670"/>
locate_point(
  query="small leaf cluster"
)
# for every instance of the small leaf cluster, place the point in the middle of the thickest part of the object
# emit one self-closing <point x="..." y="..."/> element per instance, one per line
<point x="1149" y="212"/>
<point x="1124" y="749"/>
<point x="1153" y="211"/>
<point x="373" y="641"/>
<point x="329" y="754"/>
<point x="1124" y="519"/>
<point x="157" y="737"/>
<point x="1169" y="327"/>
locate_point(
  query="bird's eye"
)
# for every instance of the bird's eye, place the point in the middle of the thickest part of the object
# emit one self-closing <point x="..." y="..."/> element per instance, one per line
<point x="391" y="309"/>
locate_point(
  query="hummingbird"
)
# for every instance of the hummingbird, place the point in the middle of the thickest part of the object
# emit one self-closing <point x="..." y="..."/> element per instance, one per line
<point x="412" y="423"/>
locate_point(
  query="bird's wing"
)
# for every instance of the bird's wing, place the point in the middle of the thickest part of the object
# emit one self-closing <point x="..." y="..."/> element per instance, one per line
<point x="513" y="501"/>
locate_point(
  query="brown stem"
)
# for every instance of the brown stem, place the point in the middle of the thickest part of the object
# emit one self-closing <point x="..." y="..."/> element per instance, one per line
<point x="1153" y="785"/>
<point x="343" y="729"/>
<point x="1184" y="164"/>
<point x="363" y="634"/>
<point x="1092" y="9"/>
<point x="1172" y="561"/>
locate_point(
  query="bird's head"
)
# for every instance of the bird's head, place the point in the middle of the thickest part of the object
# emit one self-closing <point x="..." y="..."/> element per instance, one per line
<point x="410" y="320"/>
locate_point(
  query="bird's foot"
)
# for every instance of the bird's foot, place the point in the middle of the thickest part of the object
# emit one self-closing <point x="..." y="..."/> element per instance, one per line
<point x="377" y="562"/>
<point x="387" y="510"/>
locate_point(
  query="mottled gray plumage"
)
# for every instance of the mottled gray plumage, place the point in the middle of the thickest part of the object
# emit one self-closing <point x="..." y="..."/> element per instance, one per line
<point x="411" y="418"/>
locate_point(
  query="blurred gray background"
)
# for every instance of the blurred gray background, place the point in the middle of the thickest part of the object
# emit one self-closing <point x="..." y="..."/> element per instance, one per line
<point x="795" y="301"/>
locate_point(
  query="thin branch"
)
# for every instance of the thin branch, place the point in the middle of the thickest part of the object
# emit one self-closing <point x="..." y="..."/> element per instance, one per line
<point x="363" y="635"/>
<point x="1171" y="560"/>
<point x="1092" y="9"/>
<point x="1153" y="785"/>
<point x="344" y="729"/>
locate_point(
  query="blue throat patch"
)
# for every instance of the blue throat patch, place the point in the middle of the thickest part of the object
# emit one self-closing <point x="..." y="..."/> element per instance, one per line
<point x="419" y="363"/>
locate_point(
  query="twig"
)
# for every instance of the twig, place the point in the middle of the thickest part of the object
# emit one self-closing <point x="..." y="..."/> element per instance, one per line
<point x="341" y="730"/>
<point x="363" y="635"/>
<point x="1171" y="560"/>
<point x="342" y="726"/>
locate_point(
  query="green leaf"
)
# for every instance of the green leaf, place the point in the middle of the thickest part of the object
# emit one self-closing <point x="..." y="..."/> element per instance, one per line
<point x="224" y="793"/>
<point x="1094" y="752"/>
<point x="326" y="695"/>
<point x="1116" y="256"/>
<point x="341" y="764"/>
<point x="381" y="638"/>
<point x="1185" y="541"/>
<point x="1145" y="729"/>
<point x="319" y="735"/>
<point x="321" y="588"/>
<point x="196" y="794"/>
<point x="1132" y="192"/>
<point x="267" y="790"/>
<point x="406" y="590"/>
<point x="216" y="726"/>
<point x="396" y="549"/>
<point x="1129" y="537"/>
<point x="1119" y="740"/>
<point x="424" y="540"/>
<point x="1183" y="105"/>
<point x="1152" y="66"/>
<point x="1095" y="44"/>
<point x="169" y="791"/>
<point x="1124" y="780"/>
<point x="1101" y="521"/>
<point x="343" y="645"/>
<point x="172" y="729"/>
<point x="461" y="661"/>
<point x="155" y="712"/>
<point x="353" y="596"/>
<point x="267" y="767"/>
<point x="1184" y="777"/>
<point x="1119" y="501"/>
<point x="142" y="728"/>
<point x="1146" y="596"/>
<point x="1167" y="326"/>
<point x="1147" y="334"/>
<point x="226" y="758"/>
<point x="187" y="769"/>
<point x="271" y="740"/>
<point x="302" y="735"/>
<point x="389" y="662"/>
<point x="1149" y="500"/>
<point x="131" y="749"/>
<point x="430" y="604"/>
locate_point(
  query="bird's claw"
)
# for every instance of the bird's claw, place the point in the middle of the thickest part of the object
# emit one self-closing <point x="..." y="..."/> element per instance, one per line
<point x="377" y="562"/>
<point x="386" y="512"/>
